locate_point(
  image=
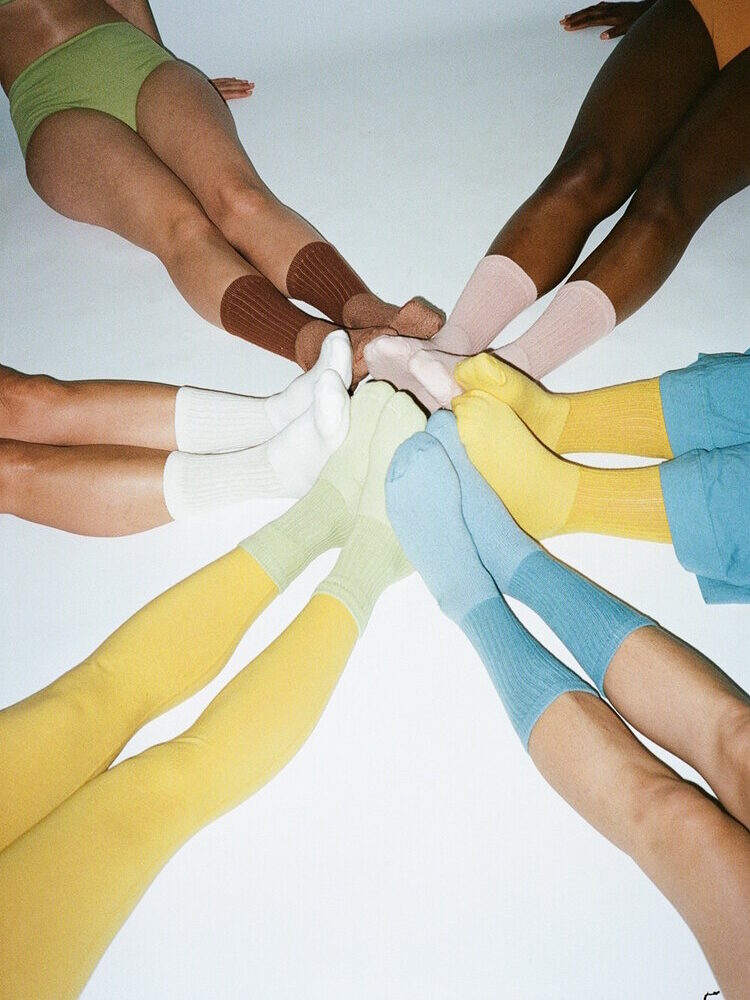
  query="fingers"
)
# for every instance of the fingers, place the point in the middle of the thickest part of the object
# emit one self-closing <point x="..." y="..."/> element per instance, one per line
<point x="233" y="89"/>
<point x="617" y="17"/>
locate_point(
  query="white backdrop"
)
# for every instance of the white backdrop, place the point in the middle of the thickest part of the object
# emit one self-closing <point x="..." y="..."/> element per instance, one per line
<point x="410" y="850"/>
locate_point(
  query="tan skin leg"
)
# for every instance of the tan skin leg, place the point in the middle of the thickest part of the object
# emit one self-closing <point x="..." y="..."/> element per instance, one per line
<point x="87" y="457"/>
<point x="211" y="161"/>
<point x="695" y="853"/>
<point x="90" y="167"/>
<point x="681" y="700"/>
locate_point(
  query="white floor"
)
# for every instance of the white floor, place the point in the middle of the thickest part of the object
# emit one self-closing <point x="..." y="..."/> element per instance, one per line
<point x="410" y="850"/>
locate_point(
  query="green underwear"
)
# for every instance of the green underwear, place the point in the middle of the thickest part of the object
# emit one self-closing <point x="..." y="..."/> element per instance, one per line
<point x="102" y="69"/>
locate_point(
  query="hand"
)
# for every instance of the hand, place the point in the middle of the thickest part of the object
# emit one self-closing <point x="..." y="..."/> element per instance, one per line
<point x="619" y="17"/>
<point x="232" y="89"/>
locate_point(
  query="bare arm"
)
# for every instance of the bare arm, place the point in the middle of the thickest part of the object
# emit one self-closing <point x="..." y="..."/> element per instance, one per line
<point x="138" y="12"/>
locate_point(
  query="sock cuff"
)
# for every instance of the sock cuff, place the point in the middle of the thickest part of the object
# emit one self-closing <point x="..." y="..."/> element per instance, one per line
<point x="578" y="316"/>
<point x="498" y="290"/>
<point x="527" y="677"/>
<point x="318" y="274"/>
<point x="194" y="484"/>
<point x="207" y="421"/>
<point x="316" y="523"/>
<point x="370" y="561"/>
<point x="590" y="622"/>
<point x="252" y="308"/>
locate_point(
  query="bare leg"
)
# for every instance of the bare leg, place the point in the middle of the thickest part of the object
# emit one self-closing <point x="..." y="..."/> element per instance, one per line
<point x="87" y="489"/>
<point x="47" y="411"/>
<point x="696" y="854"/>
<point x="706" y="161"/>
<point x="635" y="103"/>
<point x="681" y="700"/>
<point x="209" y="158"/>
<point x="92" y="168"/>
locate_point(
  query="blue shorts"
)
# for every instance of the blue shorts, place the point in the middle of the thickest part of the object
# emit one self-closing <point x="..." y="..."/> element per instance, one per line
<point x="706" y="486"/>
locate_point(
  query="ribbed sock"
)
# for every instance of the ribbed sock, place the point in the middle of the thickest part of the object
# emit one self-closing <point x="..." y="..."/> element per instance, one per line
<point x="625" y="419"/>
<point x="424" y="506"/>
<point x="319" y="275"/>
<point x="578" y="316"/>
<point x="253" y="309"/>
<point x="548" y="495"/>
<point x="589" y="621"/>
<point x="496" y="293"/>
<point x="371" y="558"/>
<point x="323" y="518"/>
<point x="208" y="422"/>
<point x="285" y="466"/>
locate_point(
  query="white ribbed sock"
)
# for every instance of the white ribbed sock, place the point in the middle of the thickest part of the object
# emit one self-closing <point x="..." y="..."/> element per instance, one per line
<point x="210" y="422"/>
<point x="578" y="315"/>
<point x="285" y="466"/>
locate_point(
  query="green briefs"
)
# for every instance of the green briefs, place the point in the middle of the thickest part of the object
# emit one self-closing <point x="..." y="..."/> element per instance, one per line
<point x="102" y="69"/>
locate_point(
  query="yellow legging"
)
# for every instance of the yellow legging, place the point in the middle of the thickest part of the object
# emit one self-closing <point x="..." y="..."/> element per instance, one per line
<point x="84" y="842"/>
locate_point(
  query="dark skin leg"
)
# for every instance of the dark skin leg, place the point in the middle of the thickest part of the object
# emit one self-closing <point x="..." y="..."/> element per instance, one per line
<point x="706" y="161"/>
<point x="639" y="97"/>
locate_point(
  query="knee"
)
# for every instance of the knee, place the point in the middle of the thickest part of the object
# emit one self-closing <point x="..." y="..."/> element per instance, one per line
<point x="237" y="206"/>
<point x="187" y="230"/>
<point x="23" y="398"/>
<point x="590" y="179"/>
<point x="732" y="749"/>
<point x="665" y="813"/>
<point x="16" y="469"/>
<point x="667" y="206"/>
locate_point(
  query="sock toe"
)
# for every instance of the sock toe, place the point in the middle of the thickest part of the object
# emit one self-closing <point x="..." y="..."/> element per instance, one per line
<point x="482" y="371"/>
<point x="336" y="353"/>
<point x="331" y="406"/>
<point x="431" y="372"/>
<point x="417" y="318"/>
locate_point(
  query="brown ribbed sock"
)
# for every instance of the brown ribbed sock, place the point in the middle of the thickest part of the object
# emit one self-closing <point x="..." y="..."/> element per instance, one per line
<point x="320" y="275"/>
<point x="253" y="309"/>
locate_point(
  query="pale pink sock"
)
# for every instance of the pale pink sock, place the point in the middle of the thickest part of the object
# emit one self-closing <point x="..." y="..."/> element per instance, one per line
<point x="579" y="315"/>
<point x="388" y="359"/>
<point x="496" y="293"/>
<point x="433" y="372"/>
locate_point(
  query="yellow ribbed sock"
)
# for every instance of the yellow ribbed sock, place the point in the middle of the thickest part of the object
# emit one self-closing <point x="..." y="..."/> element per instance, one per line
<point x="624" y="419"/>
<point x="548" y="495"/>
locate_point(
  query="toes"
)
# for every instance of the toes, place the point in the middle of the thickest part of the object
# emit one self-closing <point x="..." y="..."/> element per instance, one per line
<point x="360" y="339"/>
<point x="480" y="370"/>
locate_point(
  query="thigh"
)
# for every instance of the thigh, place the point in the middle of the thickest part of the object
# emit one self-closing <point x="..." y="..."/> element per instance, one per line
<point x="190" y="128"/>
<point x="92" y="168"/>
<point x="707" y="159"/>
<point x="645" y="88"/>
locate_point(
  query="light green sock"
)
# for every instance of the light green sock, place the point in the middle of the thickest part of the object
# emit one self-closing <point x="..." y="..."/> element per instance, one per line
<point x="324" y="517"/>
<point x="372" y="558"/>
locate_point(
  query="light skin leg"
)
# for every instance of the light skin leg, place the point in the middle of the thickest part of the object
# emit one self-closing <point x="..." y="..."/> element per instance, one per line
<point x="90" y="167"/>
<point x="696" y="854"/>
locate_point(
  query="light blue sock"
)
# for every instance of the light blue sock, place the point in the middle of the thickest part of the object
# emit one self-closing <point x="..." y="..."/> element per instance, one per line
<point x="423" y="498"/>
<point x="591" y="622"/>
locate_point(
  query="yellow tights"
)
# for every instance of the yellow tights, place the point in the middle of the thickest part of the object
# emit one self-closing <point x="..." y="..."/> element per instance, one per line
<point x="83" y="842"/>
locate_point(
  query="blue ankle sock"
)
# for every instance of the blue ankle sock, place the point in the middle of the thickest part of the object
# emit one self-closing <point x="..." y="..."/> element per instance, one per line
<point x="591" y="622"/>
<point x="423" y="498"/>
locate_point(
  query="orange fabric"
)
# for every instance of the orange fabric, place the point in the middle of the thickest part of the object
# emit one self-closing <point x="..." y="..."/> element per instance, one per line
<point x="728" y="23"/>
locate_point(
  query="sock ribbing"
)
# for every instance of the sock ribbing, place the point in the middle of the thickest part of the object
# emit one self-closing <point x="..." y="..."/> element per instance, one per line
<point x="625" y="419"/>
<point x="495" y="294"/>
<point x="589" y="621"/>
<point x="195" y="484"/>
<point x="624" y="502"/>
<point x="209" y="422"/>
<point x="578" y="316"/>
<point x="253" y="309"/>
<point x="318" y="522"/>
<point x="527" y="677"/>
<point x="319" y="275"/>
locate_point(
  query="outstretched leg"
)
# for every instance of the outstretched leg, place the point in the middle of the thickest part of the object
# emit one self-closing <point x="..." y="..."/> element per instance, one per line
<point x="92" y="168"/>
<point x="190" y="128"/>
